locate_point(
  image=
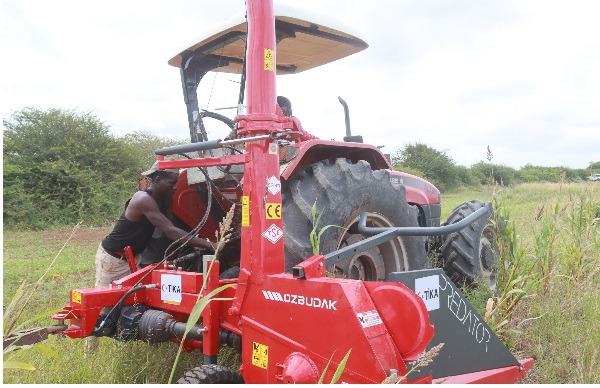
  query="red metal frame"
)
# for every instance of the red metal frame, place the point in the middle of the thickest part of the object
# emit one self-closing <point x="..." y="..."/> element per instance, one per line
<point x="290" y="327"/>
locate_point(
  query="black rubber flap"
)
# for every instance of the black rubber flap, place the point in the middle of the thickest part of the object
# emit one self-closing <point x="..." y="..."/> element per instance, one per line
<point x="469" y="343"/>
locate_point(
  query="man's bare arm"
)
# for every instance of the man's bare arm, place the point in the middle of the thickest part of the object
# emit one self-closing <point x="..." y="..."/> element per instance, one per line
<point x="148" y="207"/>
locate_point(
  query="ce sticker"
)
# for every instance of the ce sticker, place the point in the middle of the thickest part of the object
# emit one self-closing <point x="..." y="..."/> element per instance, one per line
<point x="273" y="211"/>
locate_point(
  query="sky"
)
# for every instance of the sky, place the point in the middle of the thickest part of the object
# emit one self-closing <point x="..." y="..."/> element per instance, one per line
<point x="522" y="77"/>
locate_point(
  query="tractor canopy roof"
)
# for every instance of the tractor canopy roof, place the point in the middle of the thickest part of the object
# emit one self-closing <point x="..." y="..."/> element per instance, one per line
<point x="304" y="41"/>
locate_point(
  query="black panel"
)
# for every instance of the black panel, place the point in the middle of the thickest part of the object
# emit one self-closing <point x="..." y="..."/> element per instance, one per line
<point x="470" y="345"/>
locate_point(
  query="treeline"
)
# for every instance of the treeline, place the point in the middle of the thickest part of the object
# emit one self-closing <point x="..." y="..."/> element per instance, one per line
<point x="64" y="166"/>
<point x="440" y="169"/>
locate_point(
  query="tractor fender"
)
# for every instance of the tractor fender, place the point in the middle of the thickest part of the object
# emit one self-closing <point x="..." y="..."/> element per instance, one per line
<point x="301" y="155"/>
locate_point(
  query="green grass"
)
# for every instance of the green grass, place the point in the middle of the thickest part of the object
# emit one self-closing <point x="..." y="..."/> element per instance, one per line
<point x="115" y="362"/>
<point x="558" y="237"/>
<point x="557" y="324"/>
<point x="27" y="255"/>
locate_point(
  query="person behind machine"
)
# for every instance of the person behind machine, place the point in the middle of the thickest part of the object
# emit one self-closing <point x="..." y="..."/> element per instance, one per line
<point x="285" y="109"/>
<point x="144" y="212"/>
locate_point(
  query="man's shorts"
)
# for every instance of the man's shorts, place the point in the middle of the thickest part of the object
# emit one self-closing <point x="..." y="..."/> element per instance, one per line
<point x="109" y="268"/>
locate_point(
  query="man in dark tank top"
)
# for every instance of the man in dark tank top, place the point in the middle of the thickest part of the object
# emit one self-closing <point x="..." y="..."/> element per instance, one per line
<point x="144" y="212"/>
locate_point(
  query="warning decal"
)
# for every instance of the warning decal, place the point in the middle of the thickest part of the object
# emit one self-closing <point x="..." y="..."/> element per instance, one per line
<point x="245" y="210"/>
<point x="269" y="60"/>
<point x="260" y="355"/>
<point x="273" y="185"/>
<point x="273" y="233"/>
<point x="369" y="318"/>
<point x="273" y="149"/>
<point x="76" y="297"/>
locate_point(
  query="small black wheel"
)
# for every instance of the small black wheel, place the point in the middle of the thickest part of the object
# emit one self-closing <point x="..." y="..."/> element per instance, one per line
<point x="470" y="254"/>
<point x="211" y="374"/>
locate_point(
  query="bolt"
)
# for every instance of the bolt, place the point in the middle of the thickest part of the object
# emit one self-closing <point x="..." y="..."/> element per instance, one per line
<point x="233" y="311"/>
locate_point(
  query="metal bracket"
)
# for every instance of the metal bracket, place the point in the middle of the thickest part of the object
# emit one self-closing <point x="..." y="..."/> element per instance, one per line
<point x="32" y="336"/>
<point x="380" y="235"/>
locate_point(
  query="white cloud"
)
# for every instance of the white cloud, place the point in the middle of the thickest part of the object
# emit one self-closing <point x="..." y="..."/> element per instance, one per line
<point x="457" y="75"/>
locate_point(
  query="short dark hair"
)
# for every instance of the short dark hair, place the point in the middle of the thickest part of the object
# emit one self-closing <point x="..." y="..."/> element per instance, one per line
<point x="285" y="105"/>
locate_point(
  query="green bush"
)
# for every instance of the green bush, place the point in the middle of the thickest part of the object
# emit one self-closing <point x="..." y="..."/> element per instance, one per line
<point x="466" y="176"/>
<point x="530" y="174"/>
<point x="502" y="174"/>
<point x="63" y="166"/>
<point x="436" y="166"/>
<point x="142" y="144"/>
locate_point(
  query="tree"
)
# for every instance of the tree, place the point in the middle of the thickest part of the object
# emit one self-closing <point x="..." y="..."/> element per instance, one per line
<point x="435" y="165"/>
<point x="142" y="144"/>
<point x="593" y="167"/>
<point x="502" y="174"/>
<point x="62" y="166"/>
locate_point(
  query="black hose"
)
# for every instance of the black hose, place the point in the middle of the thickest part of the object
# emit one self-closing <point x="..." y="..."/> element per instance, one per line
<point x="189" y="236"/>
<point x="119" y="304"/>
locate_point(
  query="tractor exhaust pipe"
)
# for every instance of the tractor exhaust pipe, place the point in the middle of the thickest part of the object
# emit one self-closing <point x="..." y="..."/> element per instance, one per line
<point x="346" y="117"/>
<point x="349" y="137"/>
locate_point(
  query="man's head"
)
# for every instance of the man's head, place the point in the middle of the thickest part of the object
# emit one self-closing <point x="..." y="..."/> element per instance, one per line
<point x="285" y="105"/>
<point x="164" y="181"/>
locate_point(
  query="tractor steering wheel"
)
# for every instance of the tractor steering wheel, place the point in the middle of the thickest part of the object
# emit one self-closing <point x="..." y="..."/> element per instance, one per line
<point x="201" y="135"/>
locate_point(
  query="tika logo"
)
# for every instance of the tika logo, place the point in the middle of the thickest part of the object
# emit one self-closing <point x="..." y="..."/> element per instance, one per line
<point x="170" y="288"/>
<point x="300" y="300"/>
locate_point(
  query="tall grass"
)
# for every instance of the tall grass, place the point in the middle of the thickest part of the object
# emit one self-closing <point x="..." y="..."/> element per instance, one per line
<point x="566" y="337"/>
<point x="557" y="323"/>
<point x="545" y="305"/>
<point x="514" y="278"/>
<point x="28" y="256"/>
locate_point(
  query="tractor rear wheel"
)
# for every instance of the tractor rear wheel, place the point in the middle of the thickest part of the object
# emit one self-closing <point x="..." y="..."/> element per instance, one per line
<point x="211" y="374"/>
<point x="470" y="254"/>
<point x="343" y="191"/>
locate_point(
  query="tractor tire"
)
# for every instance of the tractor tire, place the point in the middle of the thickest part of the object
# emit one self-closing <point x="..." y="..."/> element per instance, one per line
<point x="470" y="254"/>
<point x="211" y="374"/>
<point x="343" y="191"/>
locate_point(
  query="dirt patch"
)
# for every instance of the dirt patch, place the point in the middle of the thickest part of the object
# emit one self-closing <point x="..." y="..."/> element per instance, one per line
<point x="84" y="234"/>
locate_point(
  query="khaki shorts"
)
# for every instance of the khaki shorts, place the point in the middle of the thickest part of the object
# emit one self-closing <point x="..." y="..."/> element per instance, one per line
<point x="109" y="268"/>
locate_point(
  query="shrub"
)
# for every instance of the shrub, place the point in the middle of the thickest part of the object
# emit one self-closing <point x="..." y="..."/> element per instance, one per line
<point x="63" y="166"/>
<point x="502" y="174"/>
<point x="436" y="166"/>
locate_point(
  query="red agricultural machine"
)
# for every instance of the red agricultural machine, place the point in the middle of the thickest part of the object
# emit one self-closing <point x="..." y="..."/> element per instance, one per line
<point x="285" y="309"/>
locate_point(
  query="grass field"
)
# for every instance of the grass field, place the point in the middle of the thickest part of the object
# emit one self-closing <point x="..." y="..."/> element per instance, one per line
<point x="557" y="242"/>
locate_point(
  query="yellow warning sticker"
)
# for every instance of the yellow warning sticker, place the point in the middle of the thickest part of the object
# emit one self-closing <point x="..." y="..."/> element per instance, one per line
<point x="245" y="210"/>
<point x="260" y="355"/>
<point x="273" y="211"/>
<point x="269" y="60"/>
<point x="76" y="297"/>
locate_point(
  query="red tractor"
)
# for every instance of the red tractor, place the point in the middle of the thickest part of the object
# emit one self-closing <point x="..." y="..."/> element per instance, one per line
<point x="370" y="288"/>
